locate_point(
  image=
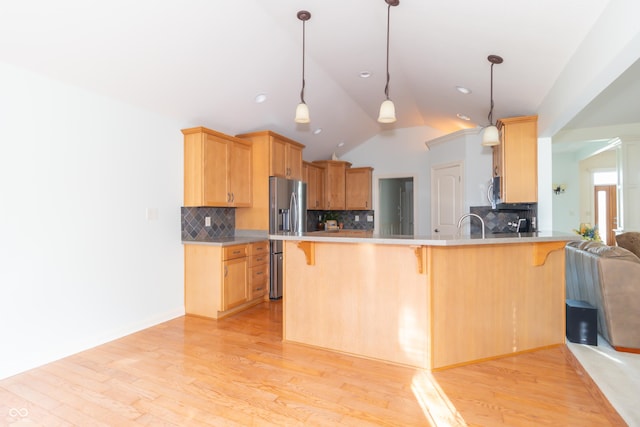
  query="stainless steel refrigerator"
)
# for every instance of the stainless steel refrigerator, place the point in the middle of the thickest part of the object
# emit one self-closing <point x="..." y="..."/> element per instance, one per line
<point x="287" y="214"/>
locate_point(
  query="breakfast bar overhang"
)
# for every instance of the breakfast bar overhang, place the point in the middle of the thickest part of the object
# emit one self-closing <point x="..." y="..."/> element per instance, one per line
<point x="430" y="303"/>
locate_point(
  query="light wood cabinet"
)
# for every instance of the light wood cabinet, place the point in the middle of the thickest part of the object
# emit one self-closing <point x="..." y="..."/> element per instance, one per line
<point x="272" y="155"/>
<point x="217" y="169"/>
<point x="234" y="276"/>
<point x="515" y="160"/>
<point x="223" y="280"/>
<point x="358" y="188"/>
<point x="334" y="183"/>
<point x="314" y="177"/>
<point x="258" y="269"/>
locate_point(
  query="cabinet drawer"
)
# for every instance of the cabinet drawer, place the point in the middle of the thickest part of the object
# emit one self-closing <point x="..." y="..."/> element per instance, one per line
<point x="233" y="252"/>
<point x="259" y="274"/>
<point x="258" y="260"/>
<point x="259" y="248"/>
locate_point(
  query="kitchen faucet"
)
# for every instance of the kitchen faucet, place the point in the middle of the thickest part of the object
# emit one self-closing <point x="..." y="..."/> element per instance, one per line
<point x="470" y="215"/>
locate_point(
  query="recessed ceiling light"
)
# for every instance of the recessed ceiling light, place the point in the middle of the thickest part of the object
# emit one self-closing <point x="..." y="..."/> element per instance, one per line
<point x="463" y="117"/>
<point x="365" y="74"/>
<point x="260" y="98"/>
<point x="341" y="144"/>
<point x="317" y="131"/>
<point x="464" y="90"/>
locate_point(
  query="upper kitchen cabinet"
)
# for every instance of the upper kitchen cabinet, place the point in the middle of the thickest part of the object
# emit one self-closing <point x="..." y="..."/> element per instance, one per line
<point x="334" y="183"/>
<point x="358" y="188"/>
<point x="515" y="160"/>
<point x="314" y="177"/>
<point x="273" y="155"/>
<point x="285" y="155"/>
<point x="217" y="169"/>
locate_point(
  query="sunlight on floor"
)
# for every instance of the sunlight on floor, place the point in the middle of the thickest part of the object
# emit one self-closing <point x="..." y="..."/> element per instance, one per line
<point x="434" y="403"/>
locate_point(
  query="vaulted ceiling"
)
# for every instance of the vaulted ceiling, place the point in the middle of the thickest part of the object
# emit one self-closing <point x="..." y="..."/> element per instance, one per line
<point x="205" y="61"/>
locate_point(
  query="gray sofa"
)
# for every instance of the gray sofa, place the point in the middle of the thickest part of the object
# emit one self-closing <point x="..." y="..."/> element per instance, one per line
<point x="607" y="277"/>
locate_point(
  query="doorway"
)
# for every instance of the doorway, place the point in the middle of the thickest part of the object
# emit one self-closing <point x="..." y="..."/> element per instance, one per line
<point x="606" y="205"/>
<point x="606" y="212"/>
<point x="395" y="212"/>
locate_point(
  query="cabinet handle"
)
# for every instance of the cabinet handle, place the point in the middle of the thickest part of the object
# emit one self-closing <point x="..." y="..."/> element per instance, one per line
<point x="258" y="289"/>
<point x="226" y="270"/>
<point x="259" y="273"/>
<point x="237" y="252"/>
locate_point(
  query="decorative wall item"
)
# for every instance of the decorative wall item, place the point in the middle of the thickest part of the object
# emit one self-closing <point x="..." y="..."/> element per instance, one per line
<point x="559" y="188"/>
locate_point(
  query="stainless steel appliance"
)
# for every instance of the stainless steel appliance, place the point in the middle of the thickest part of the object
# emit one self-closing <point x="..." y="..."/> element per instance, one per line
<point x="287" y="214"/>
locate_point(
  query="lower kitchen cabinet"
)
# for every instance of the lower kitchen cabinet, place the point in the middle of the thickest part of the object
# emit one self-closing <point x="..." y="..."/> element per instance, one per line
<point x="221" y="280"/>
<point x="258" y="269"/>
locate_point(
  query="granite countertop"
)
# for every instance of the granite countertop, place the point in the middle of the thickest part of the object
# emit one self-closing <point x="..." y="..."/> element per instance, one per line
<point x="361" y="236"/>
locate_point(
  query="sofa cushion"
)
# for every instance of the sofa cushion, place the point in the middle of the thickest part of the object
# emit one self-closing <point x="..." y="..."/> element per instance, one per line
<point x="629" y="241"/>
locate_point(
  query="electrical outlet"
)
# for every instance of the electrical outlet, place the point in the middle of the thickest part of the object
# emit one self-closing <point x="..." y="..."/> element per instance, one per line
<point x="207" y="221"/>
<point x="369" y="218"/>
<point x="357" y="218"/>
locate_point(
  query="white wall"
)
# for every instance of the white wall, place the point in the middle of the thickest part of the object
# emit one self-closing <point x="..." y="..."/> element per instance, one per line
<point x="401" y="152"/>
<point x="80" y="264"/>
<point x="566" y="206"/>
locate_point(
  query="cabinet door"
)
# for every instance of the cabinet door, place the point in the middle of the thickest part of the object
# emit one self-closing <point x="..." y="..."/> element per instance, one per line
<point x="215" y="171"/>
<point x="315" y="187"/>
<point x="240" y="177"/>
<point x="519" y="160"/>
<point x="335" y="186"/>
<point x="358" y="189"/>
<point x="234" y="283"/>
<point x="293" y="162"/>
<point x="277" y="154"/>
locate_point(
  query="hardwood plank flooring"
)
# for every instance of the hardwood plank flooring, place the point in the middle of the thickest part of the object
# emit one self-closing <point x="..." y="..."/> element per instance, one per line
<point x="237" y="372"/>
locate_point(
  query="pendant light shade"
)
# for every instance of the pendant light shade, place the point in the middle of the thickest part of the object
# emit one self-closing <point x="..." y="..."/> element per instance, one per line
<point x="387" y="109"/>
<point x="302" y="111"/>
<point x="491" y="135"/>
<point x="387" y="112"/>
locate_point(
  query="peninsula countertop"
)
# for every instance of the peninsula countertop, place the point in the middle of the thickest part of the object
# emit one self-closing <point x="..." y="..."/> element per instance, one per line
<point x="363" y="236"/>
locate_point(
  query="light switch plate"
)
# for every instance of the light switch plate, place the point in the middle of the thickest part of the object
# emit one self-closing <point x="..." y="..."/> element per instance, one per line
<point x="369" y="218"/>
<point x="207" y="221"/>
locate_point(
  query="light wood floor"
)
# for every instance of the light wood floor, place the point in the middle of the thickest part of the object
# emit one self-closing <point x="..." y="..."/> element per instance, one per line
<point x="236" y="371"/>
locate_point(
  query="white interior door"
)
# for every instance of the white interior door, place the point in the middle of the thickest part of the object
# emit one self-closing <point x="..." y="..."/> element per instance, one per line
<point x="446" y="198"/>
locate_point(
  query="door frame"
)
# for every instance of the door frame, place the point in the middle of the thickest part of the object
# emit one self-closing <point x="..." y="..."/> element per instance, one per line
<point x="376" y="198"/>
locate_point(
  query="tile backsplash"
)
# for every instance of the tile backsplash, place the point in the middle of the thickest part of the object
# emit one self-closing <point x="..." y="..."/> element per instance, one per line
<point x="193" y="227"/>
<point x="497" y="220"/>
<point x="345" y="217"/>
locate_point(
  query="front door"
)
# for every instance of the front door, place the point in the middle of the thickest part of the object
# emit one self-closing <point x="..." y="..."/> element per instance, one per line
<point x="606" y="212"/>
<point x="446" y="198"/>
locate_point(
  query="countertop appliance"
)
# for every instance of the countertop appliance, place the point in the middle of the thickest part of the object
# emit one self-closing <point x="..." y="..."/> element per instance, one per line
<point x="287" y="214"/>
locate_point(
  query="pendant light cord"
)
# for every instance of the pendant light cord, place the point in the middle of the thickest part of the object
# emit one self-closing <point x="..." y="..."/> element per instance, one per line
<point x="386" y="87"/>
<point x="303" y="51"/>
<point x="491" y="106"/>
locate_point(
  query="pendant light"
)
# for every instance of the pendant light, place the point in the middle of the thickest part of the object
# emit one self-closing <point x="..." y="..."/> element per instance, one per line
<point x="387" y="109"/>
<point x="490" y="135"/>
<point x="302" y="111"/>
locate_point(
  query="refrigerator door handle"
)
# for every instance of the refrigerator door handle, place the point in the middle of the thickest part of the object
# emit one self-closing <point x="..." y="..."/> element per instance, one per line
<point x="293" y="209"/>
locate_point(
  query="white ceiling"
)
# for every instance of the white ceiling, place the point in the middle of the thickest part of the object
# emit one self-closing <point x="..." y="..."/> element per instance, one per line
<point x="204" y="61"/>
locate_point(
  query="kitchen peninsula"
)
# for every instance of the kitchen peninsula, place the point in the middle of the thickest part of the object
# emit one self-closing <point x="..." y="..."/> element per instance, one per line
<point x="432" y="302"/>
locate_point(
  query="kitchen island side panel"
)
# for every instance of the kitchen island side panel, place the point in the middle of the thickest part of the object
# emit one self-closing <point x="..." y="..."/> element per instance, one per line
<point x="491" y="301"/>
<point x="358" y="298"/>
